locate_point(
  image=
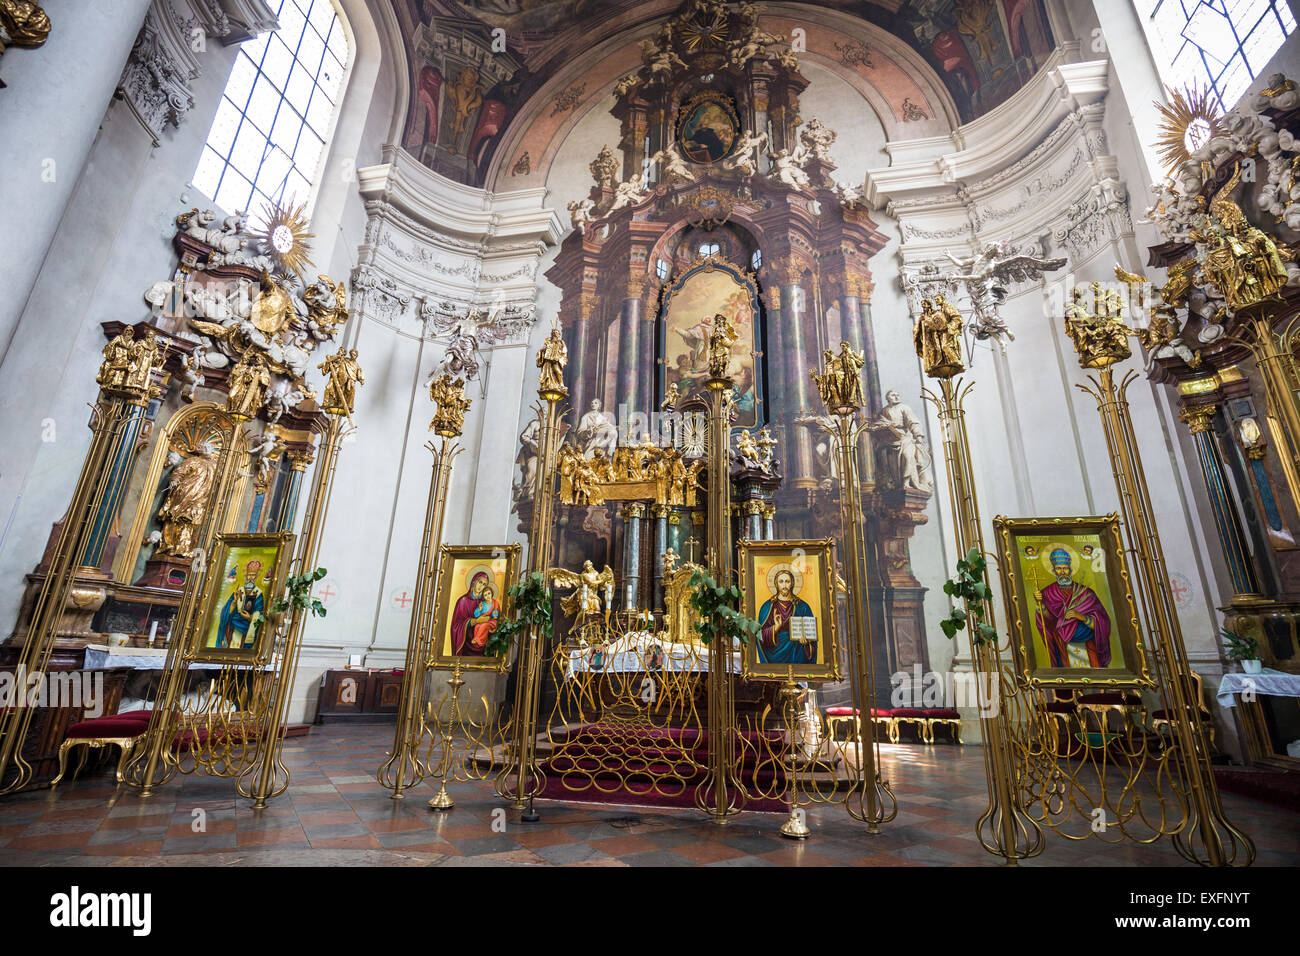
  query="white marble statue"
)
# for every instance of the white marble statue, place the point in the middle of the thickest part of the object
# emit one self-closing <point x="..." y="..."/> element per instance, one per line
<point x="745" y="153"/>
<point x="986" y="276"/>
<point x="596" y="430"/>
<point x="674" y="166"/>
<point x="907" y="458"/>
<point x="787" y="168"/>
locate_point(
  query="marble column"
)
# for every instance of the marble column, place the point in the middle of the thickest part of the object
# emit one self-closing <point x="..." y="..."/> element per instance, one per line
<point x="794" y="308"/>
<point x="754" y="520"/>
<point x="580" y="372"/>
<point x="1232" y="537"/>
<point x="288" y="511"/>
<point x="50" y="113"/>
<point x="660" y="514"/>
<point x="632" y="515"/>
<point x="630" y="372"/>
<point x="120" y="461"/>
<point x="769" y="522"/>
<point x="858" y="333"/>
<point x="675" y="531"/>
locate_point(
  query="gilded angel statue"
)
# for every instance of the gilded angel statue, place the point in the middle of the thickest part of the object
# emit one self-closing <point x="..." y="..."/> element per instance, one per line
<point x="589" y="586"/>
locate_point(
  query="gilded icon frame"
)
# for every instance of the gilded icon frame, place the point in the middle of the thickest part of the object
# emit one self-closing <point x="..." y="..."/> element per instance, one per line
<point x="241" y="548"/>
<point x="452" y="558"/>
<point x="1034" y="662"/>
<point x="818" y="554"/>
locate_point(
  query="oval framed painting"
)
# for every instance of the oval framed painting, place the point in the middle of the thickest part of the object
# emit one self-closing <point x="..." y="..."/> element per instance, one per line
<point x="707" y="128"/>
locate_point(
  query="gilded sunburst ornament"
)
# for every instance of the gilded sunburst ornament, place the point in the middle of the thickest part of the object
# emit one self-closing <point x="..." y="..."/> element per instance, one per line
<point x="1191" y="119"/>
<point x="285" y="237"/>
<point x="704" y="31"/>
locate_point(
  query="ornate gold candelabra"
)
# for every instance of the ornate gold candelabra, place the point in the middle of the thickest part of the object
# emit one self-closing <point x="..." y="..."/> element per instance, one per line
<point x="126" y="385"/>
<point x="1206" y="836"/>
<point x="720" y="792"/>
<point x="840" y="387"/>
<point x="1003" y="828"/>
<point x="521" y="765"/>
<point x="403" y="768"/>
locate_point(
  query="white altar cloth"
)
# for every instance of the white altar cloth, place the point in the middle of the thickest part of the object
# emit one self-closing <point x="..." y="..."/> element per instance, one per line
<point x="642" y="651"/>
<point x="1268" y="681"/>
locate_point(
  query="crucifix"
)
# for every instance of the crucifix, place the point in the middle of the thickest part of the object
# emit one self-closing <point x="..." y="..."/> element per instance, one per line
<point x="691" y="542"/>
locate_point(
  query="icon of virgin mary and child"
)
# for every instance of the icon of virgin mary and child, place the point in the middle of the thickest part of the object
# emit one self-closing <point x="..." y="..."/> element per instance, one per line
<point x="475" y="615"/>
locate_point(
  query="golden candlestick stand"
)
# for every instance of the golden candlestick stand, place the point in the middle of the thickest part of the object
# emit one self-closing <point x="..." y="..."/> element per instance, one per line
<point x="871" y="800"/>
<point x="270" y="777"/>
<point x="721" y="794"/>
<point x="403" y="768"/>
<point x="795" y="826"/>
<point x="442" y="799"/>
<point x="520" y="780"/>
<point x="1003" y="828"/>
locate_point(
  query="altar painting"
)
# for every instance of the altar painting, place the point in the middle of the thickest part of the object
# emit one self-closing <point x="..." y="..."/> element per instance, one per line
<point x="689" y="309"/>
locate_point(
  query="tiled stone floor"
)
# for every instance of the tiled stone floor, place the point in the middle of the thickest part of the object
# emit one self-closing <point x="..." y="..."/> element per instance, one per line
<point x="334" y="814"/>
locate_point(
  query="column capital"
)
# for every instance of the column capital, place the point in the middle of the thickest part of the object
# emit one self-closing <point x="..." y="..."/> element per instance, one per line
<point x="1198" y="418"/>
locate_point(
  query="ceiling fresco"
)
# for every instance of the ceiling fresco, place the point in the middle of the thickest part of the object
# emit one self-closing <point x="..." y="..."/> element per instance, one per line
<point x="469" y="83"/>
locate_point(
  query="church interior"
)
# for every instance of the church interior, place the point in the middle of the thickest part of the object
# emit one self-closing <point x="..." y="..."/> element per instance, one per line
<point x="664" y="433"/>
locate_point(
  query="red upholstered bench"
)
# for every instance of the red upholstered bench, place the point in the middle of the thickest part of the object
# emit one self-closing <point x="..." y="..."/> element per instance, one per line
<point x="115" y="730"/>
<point x="944" y="717"/>
<point x="849" y="715"/>
<point x="912" y="717"/>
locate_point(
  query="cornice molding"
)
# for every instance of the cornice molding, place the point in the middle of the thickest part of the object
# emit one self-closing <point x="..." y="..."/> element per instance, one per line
<point x="985" y="147"/>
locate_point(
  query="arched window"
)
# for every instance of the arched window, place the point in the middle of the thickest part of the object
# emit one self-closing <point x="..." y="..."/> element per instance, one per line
<point x="1219" y="44"/>
<point x="277" y="112"/>
<point x="710" y="248"/>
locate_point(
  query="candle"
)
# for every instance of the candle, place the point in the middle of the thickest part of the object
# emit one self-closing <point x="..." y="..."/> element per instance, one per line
<point x="153" y="632"/>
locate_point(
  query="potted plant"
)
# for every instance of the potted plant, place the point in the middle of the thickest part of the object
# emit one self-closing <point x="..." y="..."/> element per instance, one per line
<point x="718" y="616"/>
<point x="1243" y="649"/>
